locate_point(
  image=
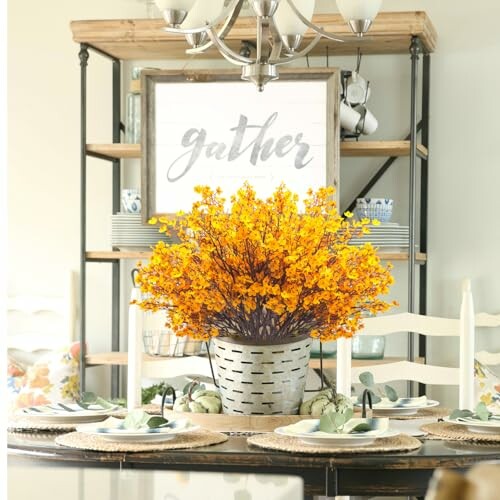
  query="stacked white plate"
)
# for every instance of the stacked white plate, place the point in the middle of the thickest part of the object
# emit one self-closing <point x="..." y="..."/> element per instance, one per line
<point x="386" y="235"/>
<point x="129" y="233"/>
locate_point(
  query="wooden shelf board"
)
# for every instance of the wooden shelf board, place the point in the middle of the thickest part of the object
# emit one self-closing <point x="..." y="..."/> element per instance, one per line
<point x="329" y="363"/>
<point x="120" y="358"/>
<point x="106" y="255"/>
<point x="115" y="150"/>
<point x="379" y="148"/>
<point x="347" y="149"/>
<point x="420" y="257"/>
<point x="390" y="33"/>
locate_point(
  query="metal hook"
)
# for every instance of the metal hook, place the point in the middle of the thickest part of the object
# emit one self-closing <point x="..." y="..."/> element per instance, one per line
<point x="168" y="390"/>
<point x="366" y="394"/>
<point x="133" y="274"/>
<point x="358" y="60"/>
<point x="366" y="92"/>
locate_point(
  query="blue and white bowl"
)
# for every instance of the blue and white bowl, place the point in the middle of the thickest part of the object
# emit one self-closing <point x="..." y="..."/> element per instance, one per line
<point x="374" y="208"/>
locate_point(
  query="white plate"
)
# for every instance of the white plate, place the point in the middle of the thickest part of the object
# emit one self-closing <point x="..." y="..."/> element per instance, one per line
<point x="401" y="410"/>
<point x="138" y="435"/>
<point x="51" y="414"/>
<point x="489" y="427"/>
<point x="337" y="440"/>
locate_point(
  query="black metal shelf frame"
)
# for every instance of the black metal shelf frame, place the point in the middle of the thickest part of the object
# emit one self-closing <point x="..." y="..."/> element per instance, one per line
<point x="415" y="205"/>
<point x="116" y="186"/>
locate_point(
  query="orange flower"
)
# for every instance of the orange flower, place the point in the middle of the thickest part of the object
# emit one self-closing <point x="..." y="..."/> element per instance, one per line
<point x="264" y="270"/>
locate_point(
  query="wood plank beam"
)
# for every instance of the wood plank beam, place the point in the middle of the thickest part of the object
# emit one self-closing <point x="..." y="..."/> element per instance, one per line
<point x="390" y="33"/>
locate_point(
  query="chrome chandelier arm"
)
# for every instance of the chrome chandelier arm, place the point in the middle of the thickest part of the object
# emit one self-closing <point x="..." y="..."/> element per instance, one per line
<point x="298" y="55"/>
<point x="228" y="12"/>
<point x="315" y="28"/>
<point x="227" y="52"/>
<point x="277" y="43"/>
<point x="226" y="28"/>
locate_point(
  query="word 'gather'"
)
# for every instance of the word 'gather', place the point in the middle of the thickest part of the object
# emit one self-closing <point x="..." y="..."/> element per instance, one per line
<point x="262" y="147"/>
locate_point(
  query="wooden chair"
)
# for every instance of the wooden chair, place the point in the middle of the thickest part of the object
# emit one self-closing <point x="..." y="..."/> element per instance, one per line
<point x="481" y="482"/>
<point x="463" y="376"/>
<point x="37" y="324"/>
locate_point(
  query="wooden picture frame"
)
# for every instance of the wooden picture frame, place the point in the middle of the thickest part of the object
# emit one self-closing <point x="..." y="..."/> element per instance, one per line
<point x="210" y="127"/>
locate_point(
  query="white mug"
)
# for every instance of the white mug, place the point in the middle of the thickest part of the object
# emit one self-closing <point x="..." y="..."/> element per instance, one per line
<point x="367" y="123"/>
<point x="349" y="117"/>
<point x="357" y="89"/>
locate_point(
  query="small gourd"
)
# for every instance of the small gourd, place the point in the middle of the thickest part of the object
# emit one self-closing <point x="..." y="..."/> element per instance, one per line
<point x="326" y="401"/>
<point x="198" y="401"/>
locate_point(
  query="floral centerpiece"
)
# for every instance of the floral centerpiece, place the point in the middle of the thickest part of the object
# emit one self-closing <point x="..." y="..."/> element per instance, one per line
<point x="264" y="271"/>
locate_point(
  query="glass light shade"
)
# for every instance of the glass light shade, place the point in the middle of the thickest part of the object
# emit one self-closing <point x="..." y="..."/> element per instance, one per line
<point x="203" y="11"/>
<point x="359" y="9"/>
<point x="174" y="4"/>
<point x="286" y="20"/>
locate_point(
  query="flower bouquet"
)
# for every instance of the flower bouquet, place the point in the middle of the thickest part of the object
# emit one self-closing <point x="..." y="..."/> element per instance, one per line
<point x="264" y="272"/>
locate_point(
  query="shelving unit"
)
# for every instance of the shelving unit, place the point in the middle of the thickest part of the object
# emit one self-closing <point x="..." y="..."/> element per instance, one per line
<point x="144" y="39"/>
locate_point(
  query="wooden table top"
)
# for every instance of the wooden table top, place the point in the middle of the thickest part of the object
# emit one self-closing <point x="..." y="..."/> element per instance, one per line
<point x="398" y="473"/>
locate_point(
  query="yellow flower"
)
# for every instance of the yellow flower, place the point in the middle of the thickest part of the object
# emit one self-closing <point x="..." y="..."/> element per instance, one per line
<point x="263" y="264"/>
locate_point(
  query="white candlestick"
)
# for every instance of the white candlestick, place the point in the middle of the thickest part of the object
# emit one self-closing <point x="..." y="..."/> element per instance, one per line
<point x="344" y="348"/>
<point x="466" y="383"/>
<point x="134" y="353"/>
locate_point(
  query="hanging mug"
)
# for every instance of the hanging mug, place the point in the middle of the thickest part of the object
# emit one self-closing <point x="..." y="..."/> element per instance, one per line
<point x="357" y="89"/>
<point x="349" y="117"/>
<point x="367" y="123"/>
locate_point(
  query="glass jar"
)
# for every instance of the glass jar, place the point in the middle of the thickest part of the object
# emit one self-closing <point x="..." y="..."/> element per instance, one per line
<point x="133" y="122"/>
<point x="328" y="349"/>
<point x="368" y="346"/>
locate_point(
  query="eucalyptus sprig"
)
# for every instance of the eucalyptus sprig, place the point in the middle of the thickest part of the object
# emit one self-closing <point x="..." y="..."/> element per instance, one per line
<point x="481" y="412"/>
<point x="139" y="419"/>
<point x="88" y="399"/>
<point x="334" y="423"/>
<point x="366" y="378"/>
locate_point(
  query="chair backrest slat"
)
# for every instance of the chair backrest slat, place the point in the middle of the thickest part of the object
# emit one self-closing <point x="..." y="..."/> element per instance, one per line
<point x="425" y="374"/>
<point x="409" y="322"/>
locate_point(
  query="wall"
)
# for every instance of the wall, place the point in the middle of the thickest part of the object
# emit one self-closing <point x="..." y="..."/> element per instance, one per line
<point x="43" y="159"/>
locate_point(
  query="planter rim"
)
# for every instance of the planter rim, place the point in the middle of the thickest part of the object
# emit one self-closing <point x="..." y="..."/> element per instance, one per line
<point x="290" y="340"/>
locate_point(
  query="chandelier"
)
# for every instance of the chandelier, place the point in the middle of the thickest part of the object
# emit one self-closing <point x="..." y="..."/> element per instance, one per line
<point x="280" y="27"/>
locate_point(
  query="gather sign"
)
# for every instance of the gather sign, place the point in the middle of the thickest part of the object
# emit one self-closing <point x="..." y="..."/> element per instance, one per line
<point x="222" y="133"/>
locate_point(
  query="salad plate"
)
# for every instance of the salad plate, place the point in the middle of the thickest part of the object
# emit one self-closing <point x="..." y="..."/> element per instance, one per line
<point x="491" y="426"/>
<point x="112" y="430"/>
<point x="69" y="413"/>
<point x="308" y="432"/>
<point x="403" y="406"/>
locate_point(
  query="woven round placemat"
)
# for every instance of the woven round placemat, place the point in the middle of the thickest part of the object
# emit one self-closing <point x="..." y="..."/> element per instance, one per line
<point x="25" y="424"/>
<point x="20" y="423"/>
<point x="272" y="441"/>
<point x="152" y="409"/>
<point x="424" y="413"/>
<point x="449" y="431"/>
<point x="193" y="439"/>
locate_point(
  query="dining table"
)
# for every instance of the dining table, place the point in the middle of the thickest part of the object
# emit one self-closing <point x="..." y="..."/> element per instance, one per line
<point x="388" y="474"/>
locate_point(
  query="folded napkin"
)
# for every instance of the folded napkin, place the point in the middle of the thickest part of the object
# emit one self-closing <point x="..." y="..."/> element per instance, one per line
<point x="380" y="425"/>
<point x="109" y="423"/>
<point x="493" y="420"/>
<point x="115" y="425"/>
<point x="66" y="408"/>
<point x="420" y="402"/>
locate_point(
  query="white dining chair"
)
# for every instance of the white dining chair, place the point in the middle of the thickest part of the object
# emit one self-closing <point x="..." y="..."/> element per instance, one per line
<point x="463" y="376"/>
